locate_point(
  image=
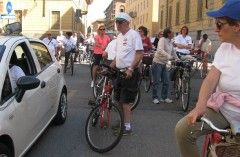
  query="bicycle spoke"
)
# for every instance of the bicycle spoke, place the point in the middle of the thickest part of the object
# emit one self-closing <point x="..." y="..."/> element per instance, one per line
<point x="99" y="129"/>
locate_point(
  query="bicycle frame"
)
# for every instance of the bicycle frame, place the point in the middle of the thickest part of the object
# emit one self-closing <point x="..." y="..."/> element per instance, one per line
<point x="105" y="101"/>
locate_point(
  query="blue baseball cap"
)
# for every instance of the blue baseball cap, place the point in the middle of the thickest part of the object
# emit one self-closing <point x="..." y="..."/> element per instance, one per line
<point x="230" y="9"/>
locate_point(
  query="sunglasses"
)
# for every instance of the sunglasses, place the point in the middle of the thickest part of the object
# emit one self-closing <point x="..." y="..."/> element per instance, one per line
<point x="120" y="22"/>
<point x="219" y="24"/>
<point x="102" y="29"/>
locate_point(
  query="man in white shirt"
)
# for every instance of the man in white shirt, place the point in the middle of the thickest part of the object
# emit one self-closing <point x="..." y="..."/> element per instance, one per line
<point x="129" y="53"/>
<point x="15" y="71"/>
<point x="51" y="43"/>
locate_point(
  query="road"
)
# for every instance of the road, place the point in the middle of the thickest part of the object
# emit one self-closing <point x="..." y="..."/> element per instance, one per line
<point x="153" y="126"/>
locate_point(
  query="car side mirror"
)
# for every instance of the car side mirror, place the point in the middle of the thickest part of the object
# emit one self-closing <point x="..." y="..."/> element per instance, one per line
<point x="25" y="83"/>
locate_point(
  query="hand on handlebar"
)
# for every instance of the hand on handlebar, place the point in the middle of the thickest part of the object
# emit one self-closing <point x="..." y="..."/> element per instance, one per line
<point x="128" y="73"/>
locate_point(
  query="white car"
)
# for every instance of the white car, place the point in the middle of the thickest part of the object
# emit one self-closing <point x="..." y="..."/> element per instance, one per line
<point x="40" y="96"/>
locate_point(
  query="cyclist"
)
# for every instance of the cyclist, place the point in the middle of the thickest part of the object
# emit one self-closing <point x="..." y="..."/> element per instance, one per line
<point x="100" y="44"/>
<point x="147" y="45"/>
<point x="219" y="97"/>
<point x="164" y="52"/>
<point x="205" y="46"/>
<point x="183" y="42"/>
<point x="69" y="46"/>
<point x="129" y="53"/>
<point x="60" y="48"/>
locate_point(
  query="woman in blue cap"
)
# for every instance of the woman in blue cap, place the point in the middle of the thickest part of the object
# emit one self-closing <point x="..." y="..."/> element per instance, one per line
<point x="219" y="96"/>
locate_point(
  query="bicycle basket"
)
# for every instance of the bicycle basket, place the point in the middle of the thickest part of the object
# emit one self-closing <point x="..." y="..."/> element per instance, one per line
<point x="147" y="60"/>
<point x="226" y="150"/>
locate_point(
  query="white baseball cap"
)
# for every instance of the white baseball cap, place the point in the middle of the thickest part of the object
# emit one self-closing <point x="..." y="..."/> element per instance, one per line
<point x="123" y="16"/>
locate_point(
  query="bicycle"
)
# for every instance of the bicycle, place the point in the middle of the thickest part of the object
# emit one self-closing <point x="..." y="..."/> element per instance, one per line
<point x="104" y="116"/>
<point x="182" y="78"/>
<point x="99" y="84"/>
<point x="220" y="143"/>
<point x="201" y="62"/>
<point x="147" y="71"/>
<point x="69" y="62"/>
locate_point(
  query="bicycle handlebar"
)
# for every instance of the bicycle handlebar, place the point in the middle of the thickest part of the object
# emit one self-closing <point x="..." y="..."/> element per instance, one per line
<point x="113" y="71"/>
<point x="209" y="123"/>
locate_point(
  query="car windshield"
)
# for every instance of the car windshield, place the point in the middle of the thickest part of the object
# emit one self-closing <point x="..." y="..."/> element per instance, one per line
<point x="2" y="48"/>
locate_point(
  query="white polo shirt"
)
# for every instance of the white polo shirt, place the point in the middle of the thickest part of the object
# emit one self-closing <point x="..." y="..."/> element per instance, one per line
<point x="15" y="72"/>
<point x="127" y="45"/>
<point x="184" y="41"/>
<point x="111" y="49"/>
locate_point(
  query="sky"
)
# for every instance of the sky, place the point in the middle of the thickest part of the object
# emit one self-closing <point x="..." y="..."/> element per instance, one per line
<point x="96" y="10"/>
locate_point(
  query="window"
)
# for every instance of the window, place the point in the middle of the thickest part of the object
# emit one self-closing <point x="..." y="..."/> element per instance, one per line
<point x="24" y="59"/>
<point x="187" y="11"/>
<point x="55" y="20"/>
<point x="161" y="19"/>
<point x="43" y="56"/>
<point x="177" y="13"/>
<point x="199" y="9"/>
<point x="170" y="16"/>
<point x="7" y="90"/>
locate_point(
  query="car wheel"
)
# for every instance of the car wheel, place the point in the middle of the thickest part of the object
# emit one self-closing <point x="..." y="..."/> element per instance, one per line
<point x="61" y="115"/>
<point x="5" y="151"/>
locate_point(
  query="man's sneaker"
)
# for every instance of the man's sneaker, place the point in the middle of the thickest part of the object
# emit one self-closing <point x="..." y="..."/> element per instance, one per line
<point x="127" y="132"/>
<point x="92" y="84"/>
<point x="168" y="100"/>
<point x="155" y="101"/>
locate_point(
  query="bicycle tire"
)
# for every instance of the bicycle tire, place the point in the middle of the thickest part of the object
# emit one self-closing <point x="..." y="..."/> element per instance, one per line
<point x="137" y="100"/>
<point x="185" y="94"/>
<point x="147" y="79"/>
<point x="72" y="64"/>
<point x="94" y="130"/>
<point x="177" y="86"/>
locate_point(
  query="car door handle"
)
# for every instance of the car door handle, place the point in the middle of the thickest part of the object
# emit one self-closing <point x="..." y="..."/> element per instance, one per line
<point x="58" y="70"/>
<point x="43" y="84"/>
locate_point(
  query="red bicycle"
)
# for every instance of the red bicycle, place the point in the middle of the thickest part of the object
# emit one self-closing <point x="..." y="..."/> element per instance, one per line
<point x="104" y="116"/>
<point x="220" y="143"/>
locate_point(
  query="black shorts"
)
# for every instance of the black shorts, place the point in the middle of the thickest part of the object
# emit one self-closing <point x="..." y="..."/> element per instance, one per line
<point x="125" y="90"/>
<point x="97" y="59"/>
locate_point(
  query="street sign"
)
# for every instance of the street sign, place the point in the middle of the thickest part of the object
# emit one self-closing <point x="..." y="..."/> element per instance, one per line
<point x="9" y="7"/>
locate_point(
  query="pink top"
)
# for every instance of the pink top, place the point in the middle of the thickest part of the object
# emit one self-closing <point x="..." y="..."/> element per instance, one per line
<point x="103" y="41"/>
<point x="218" y="98"/>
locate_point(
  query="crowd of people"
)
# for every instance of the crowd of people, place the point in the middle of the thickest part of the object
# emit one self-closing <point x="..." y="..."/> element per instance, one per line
<point x="219" y="96"/>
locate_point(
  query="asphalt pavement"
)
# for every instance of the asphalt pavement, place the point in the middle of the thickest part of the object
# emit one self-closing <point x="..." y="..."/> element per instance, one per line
<point x="153" y="125"/>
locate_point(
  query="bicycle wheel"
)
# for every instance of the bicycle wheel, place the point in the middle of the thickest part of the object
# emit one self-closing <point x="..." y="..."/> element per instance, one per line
<point x="71" y="64"/>
<point x="185" y="93"/>
<point x="177" y="86"/>
<point x="99" y="128"/>
<point x="136" y="101"/>
<point x="147" y="79"/>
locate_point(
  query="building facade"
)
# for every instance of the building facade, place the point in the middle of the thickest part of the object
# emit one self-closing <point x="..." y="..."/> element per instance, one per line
<point x="41" y="16"/>
<point x="190" y="13"/>
<point x="144" y="13"/>
<point x="112" y="10"/>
